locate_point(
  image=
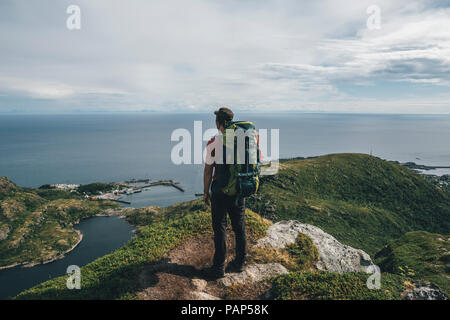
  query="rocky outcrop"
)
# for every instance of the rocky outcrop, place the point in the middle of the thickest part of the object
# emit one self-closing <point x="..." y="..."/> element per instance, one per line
<point x="424" y="291"/>
<point x="253" y="273"/>
<point x="115" y="212"/>
<point x="4" y="231"/>
<point x="200" y="295"/>
<point x="199" y="292"/>
<point x="11" y="208"/>
<point x="6" y="185"/>
<point x="334" y="256"/>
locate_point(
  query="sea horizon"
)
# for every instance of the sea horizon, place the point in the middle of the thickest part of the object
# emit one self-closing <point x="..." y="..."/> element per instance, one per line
<point x="81" y="148"/>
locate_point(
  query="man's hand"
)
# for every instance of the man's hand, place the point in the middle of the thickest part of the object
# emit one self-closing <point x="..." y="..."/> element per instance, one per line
<point x="207" y="198"/>
<point x="207" y="177"/>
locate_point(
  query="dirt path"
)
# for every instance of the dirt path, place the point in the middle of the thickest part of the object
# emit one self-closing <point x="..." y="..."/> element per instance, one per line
<point x="179" y="277"/>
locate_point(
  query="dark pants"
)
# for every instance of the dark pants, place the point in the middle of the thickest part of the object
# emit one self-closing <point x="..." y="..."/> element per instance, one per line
<point x="220" y="205"/>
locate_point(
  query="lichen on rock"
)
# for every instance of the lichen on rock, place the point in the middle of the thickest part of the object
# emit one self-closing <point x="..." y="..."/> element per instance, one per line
<point x="333" y="255"/>
<point x="4" y="231"/>
<point x="424" y="291"/>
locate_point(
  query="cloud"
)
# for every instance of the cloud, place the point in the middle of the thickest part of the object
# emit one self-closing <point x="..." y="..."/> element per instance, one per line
<point x="42" y="89"/>
<point x="251" y="55"/>
<point x="417" y="51"/>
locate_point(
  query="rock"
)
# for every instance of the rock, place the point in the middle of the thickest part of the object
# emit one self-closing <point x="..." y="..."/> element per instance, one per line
<point x="4" y="231"/>
<point x="334" y="256"/>
<point x="424" y="291"/>
<point x="114" y="212"/>
<point x="199" y="290"/>
<point x="198" y="295"/>
<point x="199" y="284"/>
<point x="253" y="273"/>
<point x="6" y="185"/>
<point x="11" y="208"/>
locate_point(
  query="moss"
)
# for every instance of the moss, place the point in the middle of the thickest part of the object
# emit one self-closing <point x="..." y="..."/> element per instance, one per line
<point x="301" y="255"/>
<point x="321" y="285"/>
<point x="256" y="225"/>
<point x="303" y="252"/>
<point x="270" y="255"/>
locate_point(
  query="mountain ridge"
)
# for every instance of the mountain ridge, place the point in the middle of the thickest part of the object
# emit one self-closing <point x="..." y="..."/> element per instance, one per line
<point x="361" y="200"/>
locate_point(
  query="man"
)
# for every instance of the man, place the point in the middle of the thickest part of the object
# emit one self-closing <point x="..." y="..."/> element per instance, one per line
<point x="222" y="204"/>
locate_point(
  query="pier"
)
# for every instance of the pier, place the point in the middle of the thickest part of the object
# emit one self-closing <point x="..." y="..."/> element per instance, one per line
<point x="116" y="195"/>
<point x="120" y="201"/>
<point x="413" y="165"/>
<point x="163" y="183"/>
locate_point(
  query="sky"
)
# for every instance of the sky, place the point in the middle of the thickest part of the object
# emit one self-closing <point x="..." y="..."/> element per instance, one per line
<point x="249" y="55"/>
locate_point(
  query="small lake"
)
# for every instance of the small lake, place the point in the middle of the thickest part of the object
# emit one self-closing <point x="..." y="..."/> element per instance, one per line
<point x="101" y="235"/>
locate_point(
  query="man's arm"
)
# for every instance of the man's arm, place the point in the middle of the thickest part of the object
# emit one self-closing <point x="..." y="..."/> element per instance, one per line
<point x="207" y="177"/>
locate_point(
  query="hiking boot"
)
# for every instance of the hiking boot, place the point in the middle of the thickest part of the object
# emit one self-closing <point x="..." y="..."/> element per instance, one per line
<point x="235" y="266"/>
<point x="213" y="273"/>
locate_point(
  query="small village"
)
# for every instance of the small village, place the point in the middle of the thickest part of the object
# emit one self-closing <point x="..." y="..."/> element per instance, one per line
<point x="442" y="182"/>
<point x="115" y="191"/>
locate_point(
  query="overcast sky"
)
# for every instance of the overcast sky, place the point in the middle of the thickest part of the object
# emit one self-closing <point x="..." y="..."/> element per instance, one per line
<point x="251" y="55"/>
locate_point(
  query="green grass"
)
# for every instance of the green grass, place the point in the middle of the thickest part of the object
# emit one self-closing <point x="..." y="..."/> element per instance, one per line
<point x="361" y="200"/>
<point x="420" y="255"/>
<point x="321" y="285"/>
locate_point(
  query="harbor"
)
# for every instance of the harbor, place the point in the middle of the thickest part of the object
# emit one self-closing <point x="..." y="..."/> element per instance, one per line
<point x="117" y="194"/>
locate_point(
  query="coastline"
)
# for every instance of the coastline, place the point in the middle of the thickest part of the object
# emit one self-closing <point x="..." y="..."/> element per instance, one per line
<point x="49" y="260"/>
<point x="28" y="264"/>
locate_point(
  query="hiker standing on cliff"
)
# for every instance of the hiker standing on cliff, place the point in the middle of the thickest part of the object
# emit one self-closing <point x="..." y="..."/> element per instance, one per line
<point x="221" y="203"/>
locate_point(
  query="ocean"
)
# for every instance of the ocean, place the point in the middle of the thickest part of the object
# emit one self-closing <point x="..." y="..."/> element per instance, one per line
<point x="80" y="149"/>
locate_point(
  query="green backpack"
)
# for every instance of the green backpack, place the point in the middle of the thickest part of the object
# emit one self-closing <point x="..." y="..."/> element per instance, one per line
<point x="238" y="174"/>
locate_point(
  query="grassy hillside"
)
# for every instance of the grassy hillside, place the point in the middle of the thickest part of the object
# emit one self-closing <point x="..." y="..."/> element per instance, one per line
<point x="420" y="255"/>
<point x="36" y="225"/>
<point x="115" y="276"/>
<point x="361" y="200"/>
